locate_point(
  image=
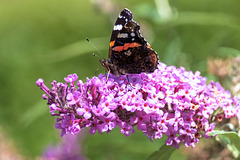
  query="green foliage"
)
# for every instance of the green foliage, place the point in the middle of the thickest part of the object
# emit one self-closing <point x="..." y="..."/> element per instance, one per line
<point x="73" y="50"/>
<point x="117" y="146"/>
<point x="231" y="140"/>
<point x="46" y="39"/>
<point x="163" y="153"/>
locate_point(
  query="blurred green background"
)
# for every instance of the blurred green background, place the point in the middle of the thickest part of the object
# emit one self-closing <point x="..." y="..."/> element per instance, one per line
<point x="46" y="39"/>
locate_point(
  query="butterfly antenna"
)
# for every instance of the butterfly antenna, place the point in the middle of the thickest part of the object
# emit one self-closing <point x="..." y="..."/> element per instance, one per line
<point x="94" y="48"/>
<point x="95" y="55"/>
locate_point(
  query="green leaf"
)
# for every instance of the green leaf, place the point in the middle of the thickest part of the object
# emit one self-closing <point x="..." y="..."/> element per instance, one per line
<point x="163" y="153"/>
<point x="207" y="18"/>
<point x="32" y="114"/>
<point x="227" y="51"/>
<point x="232" y="136"/>
<point x="76" y="49"/>
<point x="173" y="52"/>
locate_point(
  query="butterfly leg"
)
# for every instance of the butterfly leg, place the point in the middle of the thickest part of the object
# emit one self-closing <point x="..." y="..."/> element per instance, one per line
<point x="107" y="76"/>
<point x="129" y="82"/>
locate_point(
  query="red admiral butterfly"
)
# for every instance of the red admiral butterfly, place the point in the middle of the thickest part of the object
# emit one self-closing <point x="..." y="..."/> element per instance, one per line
<point x="129" y="52"/>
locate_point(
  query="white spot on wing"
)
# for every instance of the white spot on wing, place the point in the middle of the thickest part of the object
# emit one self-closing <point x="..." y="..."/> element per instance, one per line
<point x="118" y="27"/>
<point x="132" y="34"/>
<point x="122" y="35"/>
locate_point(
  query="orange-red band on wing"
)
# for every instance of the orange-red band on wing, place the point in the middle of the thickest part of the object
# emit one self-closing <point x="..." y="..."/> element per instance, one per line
<point x="126" y="46"/>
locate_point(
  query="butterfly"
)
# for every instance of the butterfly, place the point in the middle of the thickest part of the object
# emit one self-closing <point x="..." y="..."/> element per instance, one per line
<point x="129" y="52"/>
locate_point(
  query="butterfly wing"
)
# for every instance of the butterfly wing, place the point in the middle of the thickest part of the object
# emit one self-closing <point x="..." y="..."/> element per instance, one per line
<point x="129" y="52"/>
<point x="124" y="17"/>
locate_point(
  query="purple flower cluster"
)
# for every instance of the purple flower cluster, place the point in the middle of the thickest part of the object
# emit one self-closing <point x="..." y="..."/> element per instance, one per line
<point x="169" y="101"/>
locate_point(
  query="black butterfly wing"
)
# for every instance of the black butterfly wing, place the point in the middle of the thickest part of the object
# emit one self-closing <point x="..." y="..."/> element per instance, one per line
<point x="124" y="17"/>
<point x="129" y="52"/>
